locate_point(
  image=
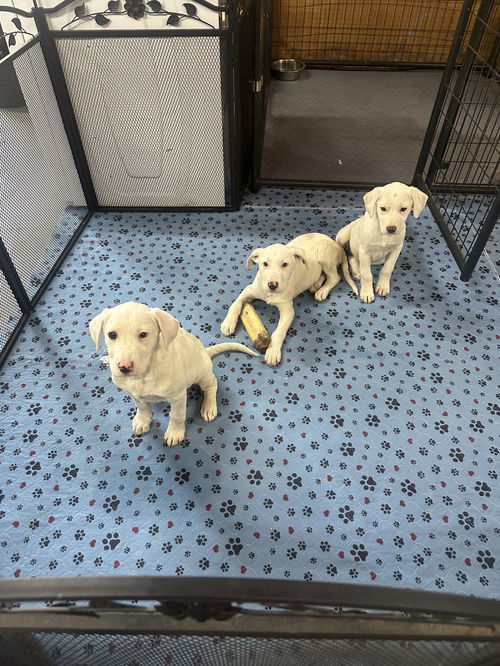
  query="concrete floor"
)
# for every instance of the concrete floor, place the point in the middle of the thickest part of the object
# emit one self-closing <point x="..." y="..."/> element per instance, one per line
<point x="348" y="126"/>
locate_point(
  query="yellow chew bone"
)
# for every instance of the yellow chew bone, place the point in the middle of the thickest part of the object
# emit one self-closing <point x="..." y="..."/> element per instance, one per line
<point x="255" y="328"/>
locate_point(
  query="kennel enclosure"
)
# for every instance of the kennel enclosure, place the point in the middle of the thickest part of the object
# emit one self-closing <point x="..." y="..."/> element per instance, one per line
<point x="422" y="377"/>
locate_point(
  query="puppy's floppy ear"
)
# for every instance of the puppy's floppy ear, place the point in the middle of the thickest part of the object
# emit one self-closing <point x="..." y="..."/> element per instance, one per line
<point x="253" y="257"/>
<point x="96" y="326"/>
<point x="298" y="255"/>
<point x="419" y="200"/>
<point x="371" y="199"/>
<point x="168" y="325"/>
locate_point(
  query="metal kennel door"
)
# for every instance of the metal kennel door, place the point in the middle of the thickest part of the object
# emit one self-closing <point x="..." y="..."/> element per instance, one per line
<point x="460" y="159"/>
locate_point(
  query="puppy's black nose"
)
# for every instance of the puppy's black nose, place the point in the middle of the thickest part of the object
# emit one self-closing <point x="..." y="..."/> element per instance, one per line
<point x="125" y="369"/>
<point x="391" y="230"/>
<point x="272" y="285"/>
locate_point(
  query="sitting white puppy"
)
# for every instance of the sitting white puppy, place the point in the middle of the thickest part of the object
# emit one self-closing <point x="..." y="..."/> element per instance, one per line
<point x="155" y="360"/>
<point x="377" y="237"/>
<point x="308" y="262"/>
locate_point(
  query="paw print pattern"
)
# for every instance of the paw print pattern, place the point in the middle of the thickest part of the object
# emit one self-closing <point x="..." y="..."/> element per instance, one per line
<point x="359" y="552"/>
<point x="234" y="546"/>
<point x="368" y="455"/>
<point x="255" y="477"/>
<point x="486" y="559"/>
<point x="70" y="472"/>
<point x="143" y="473"/>
<point x="182" y="476"/>
<point x="111" y="541"/>
<point x="294" y="481"/>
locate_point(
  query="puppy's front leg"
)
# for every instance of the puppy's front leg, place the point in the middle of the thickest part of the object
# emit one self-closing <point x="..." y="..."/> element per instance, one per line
<point x="177" y="425"/>
<point x="273" y="352"/>
<point x="228" y="326"/>
<point x="365" y="271"/>
<point x="384" y="279"/>
<point x="142" y="418"/>
<point x="209" y="387"/>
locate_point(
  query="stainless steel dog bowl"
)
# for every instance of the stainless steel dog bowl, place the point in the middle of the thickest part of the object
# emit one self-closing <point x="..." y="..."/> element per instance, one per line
<point x="287" y="69"/>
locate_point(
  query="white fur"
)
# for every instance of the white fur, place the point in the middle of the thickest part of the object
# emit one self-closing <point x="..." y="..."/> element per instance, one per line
<point x="308" y="262"/>
<point x="155" y="360"/>
<point x="368" y="237"/>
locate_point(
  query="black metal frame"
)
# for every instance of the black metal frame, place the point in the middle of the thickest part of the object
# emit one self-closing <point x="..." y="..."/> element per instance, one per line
<point x="431" y="159"/>
<point x="205" y="606"/>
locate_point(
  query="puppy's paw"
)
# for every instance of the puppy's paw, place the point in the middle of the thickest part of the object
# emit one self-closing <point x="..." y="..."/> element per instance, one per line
<point x="140" y="425"/>
<point x="322" y="293"/>
<point x="383" y="287"/>
<point x="367" y="295"/>
<point x="273" y="355"/>
<point x="228" y="326"/>
<point x="209" y="410"/>
<point x="174" y="435"/>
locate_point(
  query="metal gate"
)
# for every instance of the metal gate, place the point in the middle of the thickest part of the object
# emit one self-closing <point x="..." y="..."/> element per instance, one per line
<point x="147" y="621"/>
<point x="460" y="159"/>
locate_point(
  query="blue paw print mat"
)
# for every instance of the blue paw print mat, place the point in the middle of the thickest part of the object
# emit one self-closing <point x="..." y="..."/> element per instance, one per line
<point x="370" y="454"/>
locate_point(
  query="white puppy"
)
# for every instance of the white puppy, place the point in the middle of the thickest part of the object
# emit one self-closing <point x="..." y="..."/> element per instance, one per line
<point x="377" y="237"/>
<point x="308" y="262"/>
<point x="155" y="360"/>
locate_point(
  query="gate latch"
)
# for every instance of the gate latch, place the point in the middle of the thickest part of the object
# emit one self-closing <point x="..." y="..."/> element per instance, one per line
<point x="257" y="85"/>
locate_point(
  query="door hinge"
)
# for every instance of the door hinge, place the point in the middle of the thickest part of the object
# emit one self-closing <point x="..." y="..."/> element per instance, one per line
<point x="257" y="85"/>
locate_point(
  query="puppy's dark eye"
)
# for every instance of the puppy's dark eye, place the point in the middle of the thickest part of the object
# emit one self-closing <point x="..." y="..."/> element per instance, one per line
<point x="265" y="263"/>
<point x="143" y="334"/>
<point x="383" y="208"/>
<point x="403" y="209"/>
<point x="112" y="335"/>
<point x="285" y="264"/>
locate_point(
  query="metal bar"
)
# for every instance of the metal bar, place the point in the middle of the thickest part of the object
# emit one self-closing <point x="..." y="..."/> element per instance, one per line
<point x="13" y="279"/>
<point x="63" y="99"/>
<point x="230" y="60"/>
<point x="266" y="592"/>
<point x="5" y="351"/>
<point x="65" y="3"/>
<point x="124" y="34"/>
<point x="460" y="85"/>
<point x="61" y="258"/>
<point x="15" y="10"/>
<point x="265" y="625"/>
<point x="441" y="222"/>
<point x="479" y="244"/>
<point x="443" y="87"/>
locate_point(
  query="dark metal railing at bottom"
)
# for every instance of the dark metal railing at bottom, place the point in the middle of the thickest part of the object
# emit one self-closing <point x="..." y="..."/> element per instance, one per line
<point x="244" y="607"/>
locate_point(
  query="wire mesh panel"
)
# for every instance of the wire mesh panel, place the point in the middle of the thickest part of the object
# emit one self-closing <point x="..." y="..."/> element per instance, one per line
<point x="41" y="199"/>
<point x="367" y="32"/>
<point x="10" y="313"/>
<point x="156" y="650"/>
<point x="150" y="114"/>
<point x="460" y="163"/>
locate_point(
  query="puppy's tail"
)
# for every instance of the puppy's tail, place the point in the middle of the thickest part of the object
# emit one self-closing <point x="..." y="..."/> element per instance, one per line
<point x="347" y="273"/>
<point x="213" y="350"/>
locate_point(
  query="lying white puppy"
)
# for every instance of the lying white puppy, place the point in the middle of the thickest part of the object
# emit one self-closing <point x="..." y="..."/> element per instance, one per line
<point x="377" y="237"/>
<point x="308" y="262"/>
<point x="155" y="360"/>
